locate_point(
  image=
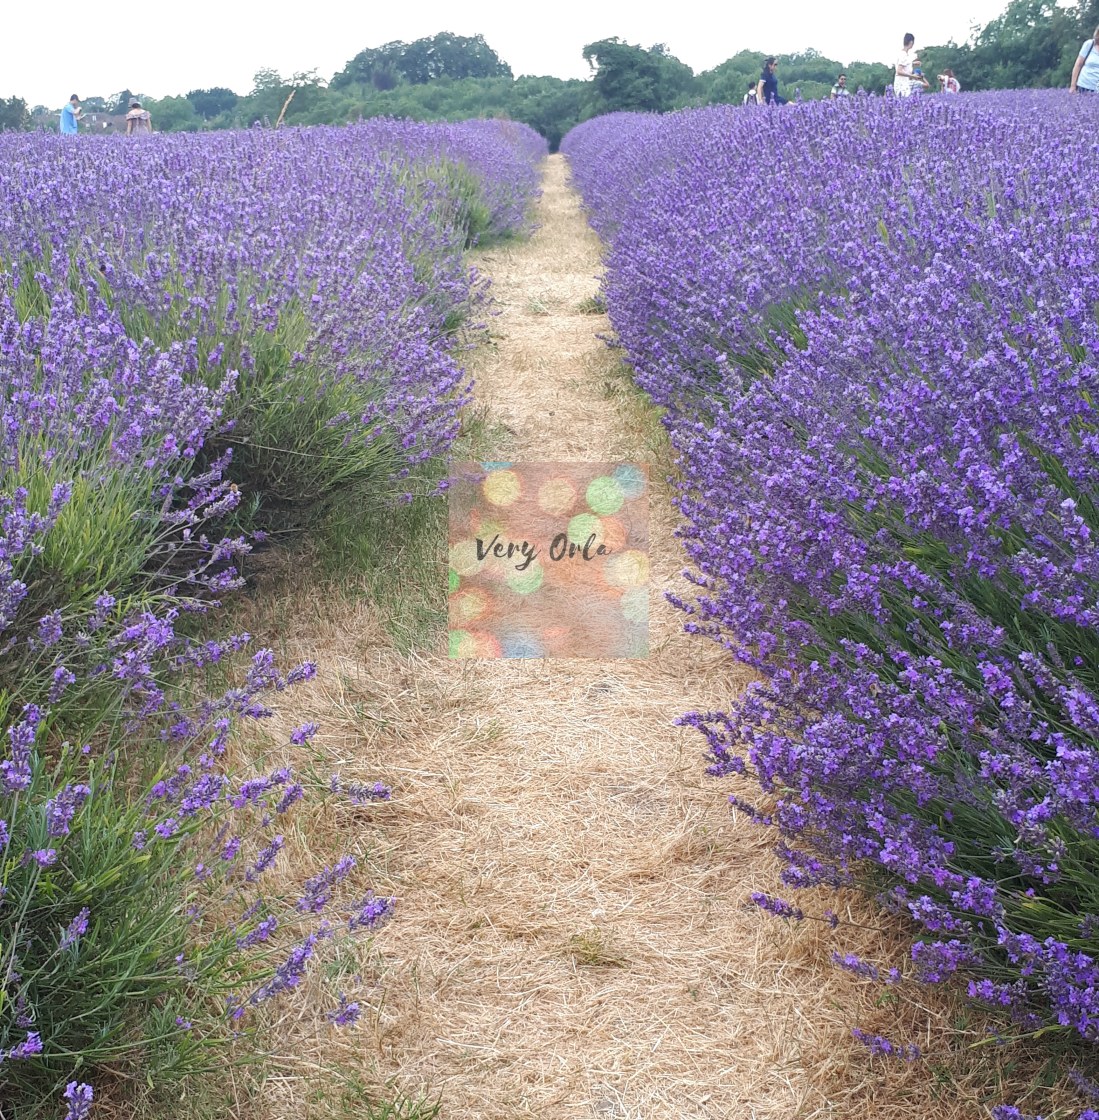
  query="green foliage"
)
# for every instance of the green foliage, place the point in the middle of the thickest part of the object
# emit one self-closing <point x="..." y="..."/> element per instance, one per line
<point x="808" y="71"/>
<point x="111" y="998"/>
<point x="628" y="77"/>
<point x="208" y="103"/>
<point x="118" y="102"/>
<point x="13" y="115"/>
<point x="426" y="60"/>
<point x="173" y="114"/>
<point x="459" y="190"/>
<point x="455" y="77"/>
<point x="1033" y="44"/>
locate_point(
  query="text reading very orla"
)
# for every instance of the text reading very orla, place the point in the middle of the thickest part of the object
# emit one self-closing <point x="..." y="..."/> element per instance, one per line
<point x="524" y="553"/>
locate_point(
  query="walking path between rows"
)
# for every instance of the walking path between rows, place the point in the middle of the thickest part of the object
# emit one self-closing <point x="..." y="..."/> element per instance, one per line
<point x="574" y="937"/>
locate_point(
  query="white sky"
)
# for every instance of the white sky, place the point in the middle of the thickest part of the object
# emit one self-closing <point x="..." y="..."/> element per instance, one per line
<point x="169" y="48"/>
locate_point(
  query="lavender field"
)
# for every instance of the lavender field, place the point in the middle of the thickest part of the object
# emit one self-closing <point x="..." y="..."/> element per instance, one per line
<point x="204" y="341"/>
<point x="872" y="325"/>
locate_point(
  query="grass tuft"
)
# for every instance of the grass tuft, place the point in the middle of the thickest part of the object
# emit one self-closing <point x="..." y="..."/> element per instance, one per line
<point x="595" y="948"/>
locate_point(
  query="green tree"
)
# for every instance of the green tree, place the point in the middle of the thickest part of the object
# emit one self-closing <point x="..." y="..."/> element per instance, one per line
<point x="270" y="91"/>
<point x="360" y="70"/>
<point x="13" y="115"/>
<point x="173" y="114"/>
<point x="629" y="77"/>
<point x="450" y="56"/>
<point x="209" y="103"/>
<point x="1033" y="43"/>
<point x="426" y="60"/>
<point x="119" y="102"/>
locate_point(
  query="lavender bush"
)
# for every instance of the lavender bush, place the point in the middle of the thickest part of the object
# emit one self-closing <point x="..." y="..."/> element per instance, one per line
<point x="322" y="266"/>
<point x="188" y="327"/>
<point x="873" y="326"/>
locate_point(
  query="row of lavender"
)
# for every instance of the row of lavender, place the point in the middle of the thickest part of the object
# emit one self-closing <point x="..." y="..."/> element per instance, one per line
<point x="198" y="335"/>
<point x="873" y="325"/>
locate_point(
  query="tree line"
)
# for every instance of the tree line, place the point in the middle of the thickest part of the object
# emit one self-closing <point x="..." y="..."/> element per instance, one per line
<point x="452" y="77"/>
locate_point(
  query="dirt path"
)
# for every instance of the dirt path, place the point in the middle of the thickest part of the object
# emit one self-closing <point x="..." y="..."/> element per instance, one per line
<point x="573" y="938"/>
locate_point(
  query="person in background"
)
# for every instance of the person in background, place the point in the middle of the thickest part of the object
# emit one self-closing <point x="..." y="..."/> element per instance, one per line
<point x="904" y="72"/>
<point x="1085" y="74"/>
<point x="948" y="83"/>
<point x="840" y="88"/>
<point x="750" y="97"/>
<point x="767" y="87"/>
<point x="138" y="119"/>
<point x="70" y="117"/>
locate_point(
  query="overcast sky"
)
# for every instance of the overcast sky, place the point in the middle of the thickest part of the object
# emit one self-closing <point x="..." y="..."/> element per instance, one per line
<point x="169" y="48"/>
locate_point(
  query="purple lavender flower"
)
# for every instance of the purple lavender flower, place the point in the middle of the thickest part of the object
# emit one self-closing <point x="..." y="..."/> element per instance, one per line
<point x="75" y="930"/>
<point x="15" y="772"/>
<point x="318" y="889"/>
<point x="372" y="912"/>
<point x="44" y="857"/>
<point x="888" y="500"/>
<point x="61" y="809"/>
<point x="289" y="974"/>
<point x="30" y="1046"/>
<point x="879" y="1044"/>
<point x="346" y="1014"/>
<point x="259" y="934"/>
<point x="1085" y="1084"/>
<point x="851" y="963"/>
<point x="62" y="678"/>
<point x="78" y="1098"/>
<point x="264" y="859"/>
<point x="361" y="793"/>
<point x="49" y="629"/>
<point x="777" y="906"/>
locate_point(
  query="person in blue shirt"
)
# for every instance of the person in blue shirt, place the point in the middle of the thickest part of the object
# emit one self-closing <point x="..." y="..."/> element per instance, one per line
<point x="70" y="115"/>
<point x="1085" y="74"/>
<point x="767" y="90"/>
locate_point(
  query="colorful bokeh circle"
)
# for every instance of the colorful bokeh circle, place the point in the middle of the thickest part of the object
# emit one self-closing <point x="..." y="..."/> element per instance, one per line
<point x="557" y="496"/>
<point x="463" y="558"/>
<point x="469" y="605"/>
<point x="522" y="644"/>
<point x="631" y="479"/>
<point x="528" y="580"/>
<point x="583" y="526"/>
<point x="473" y="643"/>
<point x="629" y="569"/>
<point x="604" y="495"/>
<point x="502" y="488"/>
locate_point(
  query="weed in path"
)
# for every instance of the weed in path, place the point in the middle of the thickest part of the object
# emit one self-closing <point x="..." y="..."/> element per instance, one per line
<point x="592" y="305"/>
<point x="596" y="948"/>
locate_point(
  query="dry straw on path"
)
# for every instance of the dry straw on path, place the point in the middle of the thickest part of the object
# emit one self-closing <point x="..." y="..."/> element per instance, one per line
<point x="573" y="937"/>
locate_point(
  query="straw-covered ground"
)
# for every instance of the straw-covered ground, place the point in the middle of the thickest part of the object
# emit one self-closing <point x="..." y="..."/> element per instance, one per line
<point x="574" y="937"/>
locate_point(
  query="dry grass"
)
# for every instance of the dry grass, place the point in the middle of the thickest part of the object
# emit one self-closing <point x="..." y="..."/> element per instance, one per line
<point x="573" y="939"/>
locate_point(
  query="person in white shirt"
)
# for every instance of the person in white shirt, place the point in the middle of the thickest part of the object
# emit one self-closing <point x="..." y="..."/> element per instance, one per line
<point x="1085" y="72"/>
<point x="904" y="76"/>
<point x="948" y="83"/>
